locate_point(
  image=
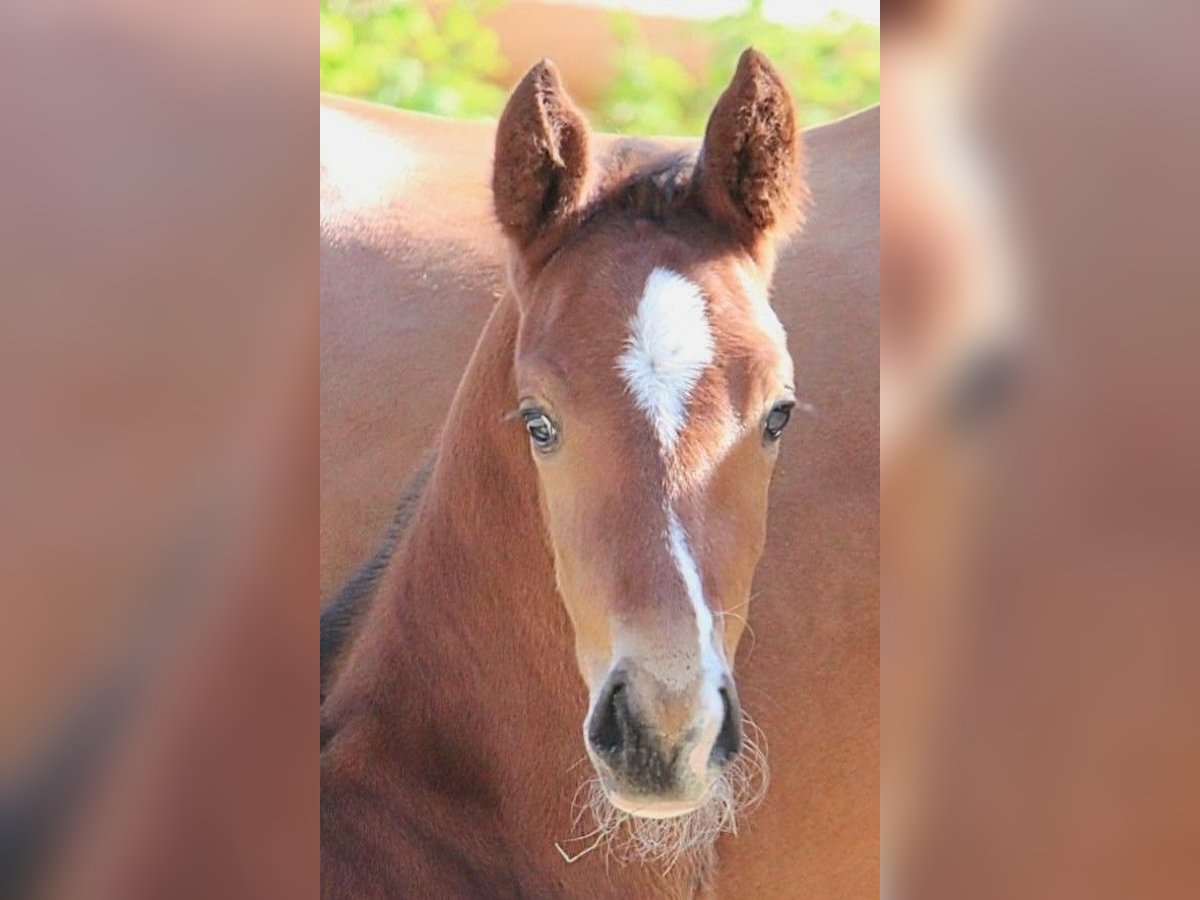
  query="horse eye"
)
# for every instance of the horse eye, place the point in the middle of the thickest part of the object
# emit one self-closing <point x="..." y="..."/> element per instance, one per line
<point x="984" y="387"/>
<point x="777" y="420"/>
<point x="541" y="429"/>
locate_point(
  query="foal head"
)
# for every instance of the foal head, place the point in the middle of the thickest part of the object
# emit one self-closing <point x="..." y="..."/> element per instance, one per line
<point x="654" y="382"/>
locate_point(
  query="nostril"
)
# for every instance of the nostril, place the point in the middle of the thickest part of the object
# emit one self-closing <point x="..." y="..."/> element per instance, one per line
<point x="609" y="721"/>
<point x="729" y="739"/>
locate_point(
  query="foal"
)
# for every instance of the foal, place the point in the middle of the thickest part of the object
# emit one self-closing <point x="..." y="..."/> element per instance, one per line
<point x="601" y="483"/>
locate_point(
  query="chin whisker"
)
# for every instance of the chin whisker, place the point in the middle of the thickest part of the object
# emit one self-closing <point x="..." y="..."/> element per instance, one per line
<point x="668" y="842"/>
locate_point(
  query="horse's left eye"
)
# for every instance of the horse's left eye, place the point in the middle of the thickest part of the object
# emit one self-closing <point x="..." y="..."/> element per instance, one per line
<point x="777" y="420"/>
<point x="541" y="428"/>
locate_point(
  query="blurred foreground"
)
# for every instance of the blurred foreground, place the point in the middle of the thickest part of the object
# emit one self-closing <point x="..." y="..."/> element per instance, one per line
<point x="1040" y="492"/>
<point x="158" y="386"/>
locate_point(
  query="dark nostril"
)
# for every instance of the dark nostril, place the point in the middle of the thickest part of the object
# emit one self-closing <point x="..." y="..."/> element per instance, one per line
<point x="729" y="740"/>
<point x="610" y="721"/>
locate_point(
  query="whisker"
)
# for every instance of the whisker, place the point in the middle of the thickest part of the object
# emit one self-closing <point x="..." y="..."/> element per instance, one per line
<point x="668" y="843"/>
<point x="745" y="624"/>
<point x="580" y="855"/>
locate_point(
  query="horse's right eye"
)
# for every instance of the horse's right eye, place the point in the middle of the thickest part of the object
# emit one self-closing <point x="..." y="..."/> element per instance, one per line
<point x="541" y="429"/>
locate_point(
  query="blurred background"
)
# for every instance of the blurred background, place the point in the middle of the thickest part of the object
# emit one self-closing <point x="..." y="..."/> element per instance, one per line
<point x="648" y="67"/>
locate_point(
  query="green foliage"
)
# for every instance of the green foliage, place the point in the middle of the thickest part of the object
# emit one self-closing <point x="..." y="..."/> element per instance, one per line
<point x="832" y="69"/>
<point x="396" y="52"/>
<point x="400" y="53"/>
<point x="651" y="92"/>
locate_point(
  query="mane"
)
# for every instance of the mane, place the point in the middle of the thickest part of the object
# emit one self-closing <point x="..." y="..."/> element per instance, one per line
<point x="642" y="178"/>
<point x="340" y="615"/>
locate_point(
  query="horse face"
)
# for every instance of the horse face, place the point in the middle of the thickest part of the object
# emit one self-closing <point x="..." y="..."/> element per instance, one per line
<point x="655" y="384"/>
<point x="654" y="413"/>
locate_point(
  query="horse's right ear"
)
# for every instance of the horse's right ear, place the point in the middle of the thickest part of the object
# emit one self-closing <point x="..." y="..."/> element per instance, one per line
<point x="541" y="161"/>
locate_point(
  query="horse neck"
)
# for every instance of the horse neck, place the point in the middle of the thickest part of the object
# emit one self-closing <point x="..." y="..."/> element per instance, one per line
<point x="465" y="660"/>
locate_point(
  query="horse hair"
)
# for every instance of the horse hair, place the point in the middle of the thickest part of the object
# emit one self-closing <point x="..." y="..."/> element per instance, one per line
<point x="340" y="614"/>
<point x="638" y="179"/>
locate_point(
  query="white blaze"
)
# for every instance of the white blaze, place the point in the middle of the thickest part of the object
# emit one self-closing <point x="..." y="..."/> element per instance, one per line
<point x="686" y="563"/>
<point x="710" y="663"/>
<point x="670" y="345"/>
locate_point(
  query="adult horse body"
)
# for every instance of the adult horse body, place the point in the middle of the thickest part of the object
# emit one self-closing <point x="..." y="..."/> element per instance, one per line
<point x="412" y="263"/>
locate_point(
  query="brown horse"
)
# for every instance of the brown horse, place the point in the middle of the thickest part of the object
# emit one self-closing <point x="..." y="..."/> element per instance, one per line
<point x="635" y="343"/>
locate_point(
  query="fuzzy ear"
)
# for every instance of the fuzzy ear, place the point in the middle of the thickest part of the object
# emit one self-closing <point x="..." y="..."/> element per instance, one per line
<point x="541" y="160"/>
<point x="750" y="177"/>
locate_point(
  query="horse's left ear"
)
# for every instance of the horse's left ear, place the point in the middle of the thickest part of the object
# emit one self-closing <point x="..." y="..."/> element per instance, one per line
<point x="749" y="176"/>
<point x="541" y="163"/>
